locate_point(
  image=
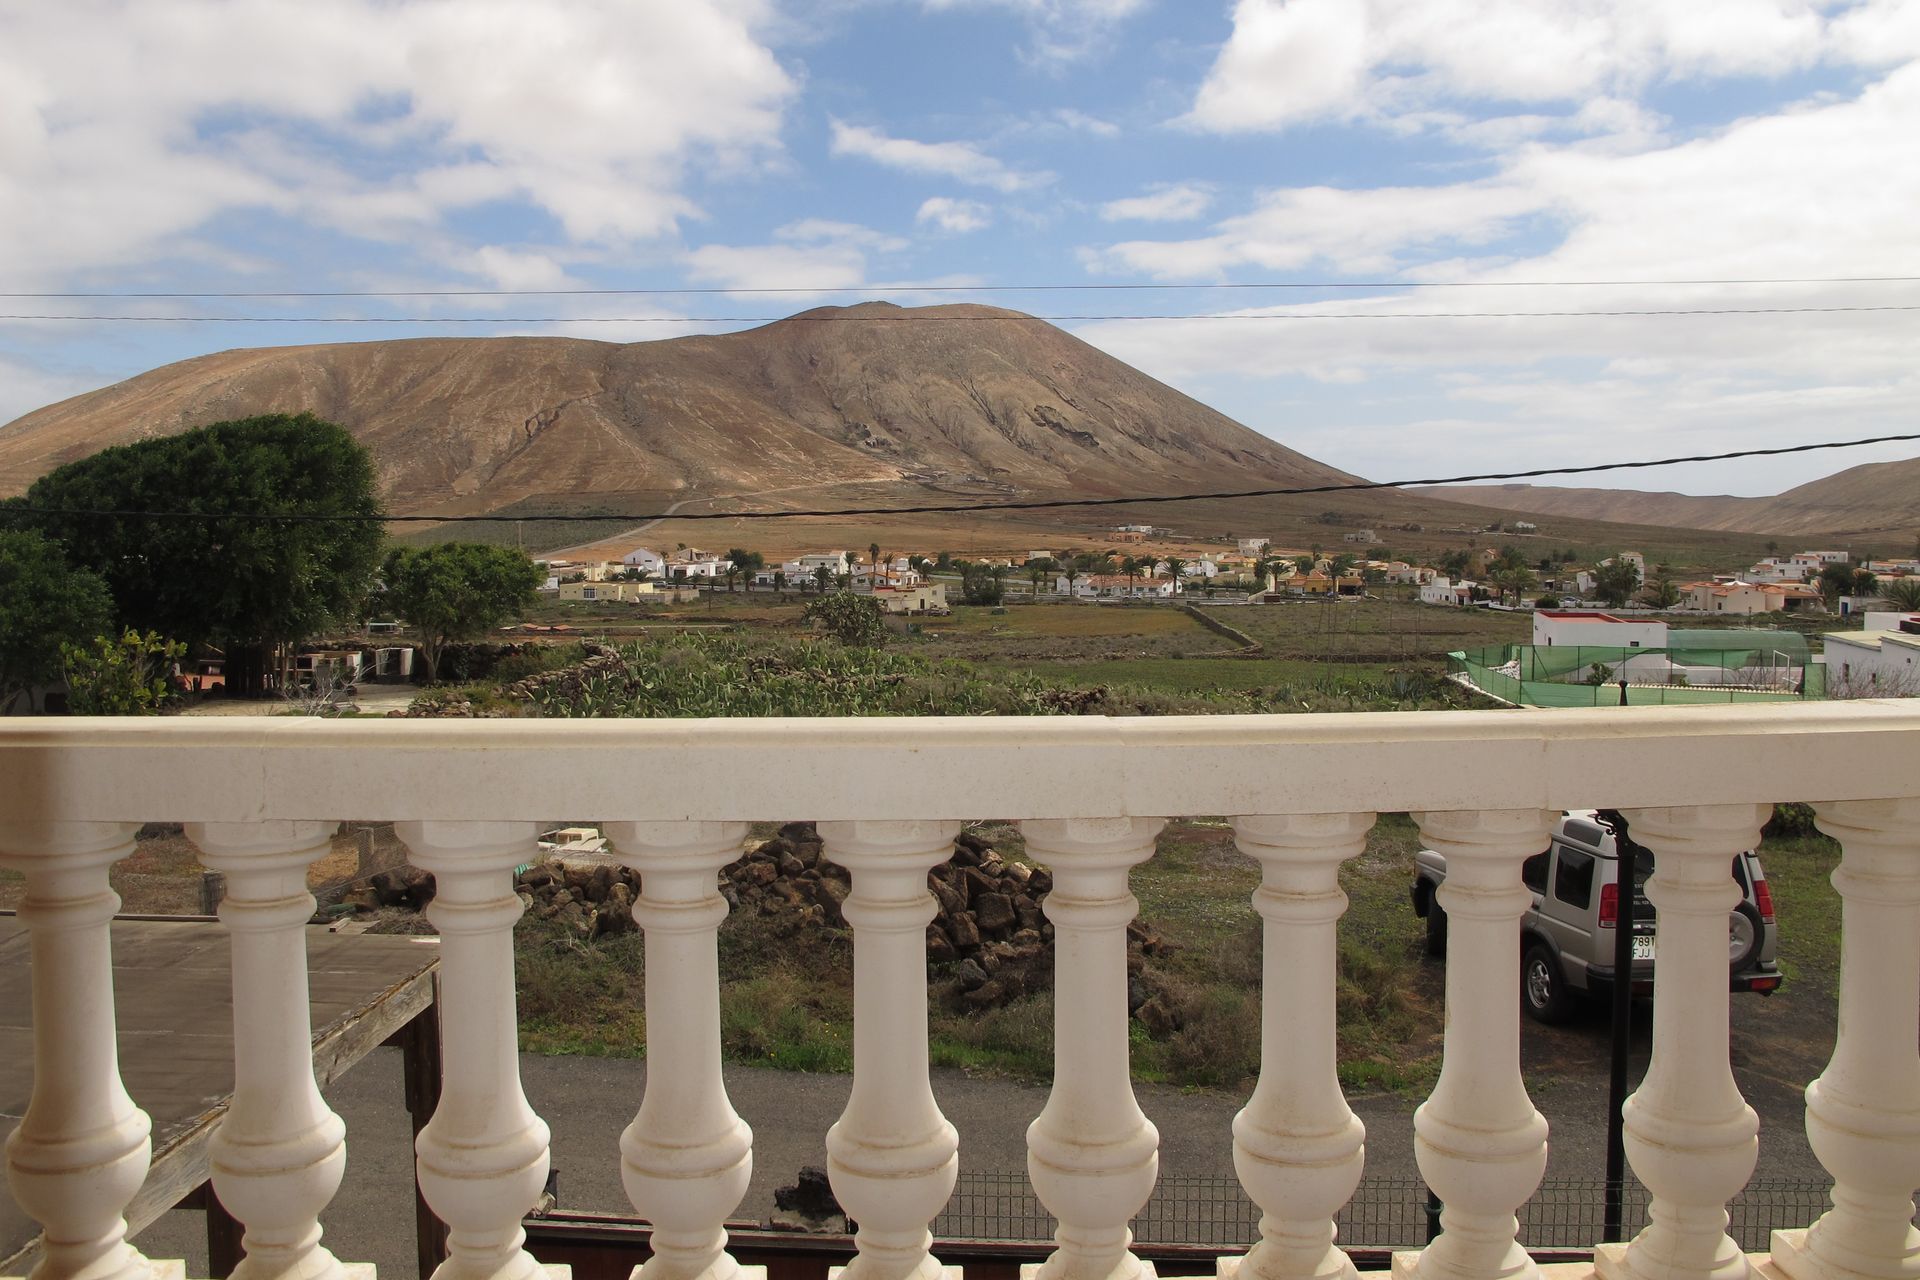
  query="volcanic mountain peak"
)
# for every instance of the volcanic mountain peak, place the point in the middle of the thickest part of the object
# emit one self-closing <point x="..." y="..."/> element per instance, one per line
<point x="873" y="393"/>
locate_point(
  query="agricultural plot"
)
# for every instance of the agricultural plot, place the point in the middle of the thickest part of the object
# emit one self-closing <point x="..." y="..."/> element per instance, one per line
<point x="1372" y="630"/>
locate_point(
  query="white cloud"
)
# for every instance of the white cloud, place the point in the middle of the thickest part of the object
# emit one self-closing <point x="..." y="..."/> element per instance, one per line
<point x="1163" y="204"/>
<point x="1062" y="31"/>
<point x="813" y="254"/>
<point x="949" y="214"/>
<point x="364" y="116"/>
<point x="1814" y="190"/>
<point x="1081" y="122"/>
<point x="962" y="161"/>
<point x="1289" y="62"/>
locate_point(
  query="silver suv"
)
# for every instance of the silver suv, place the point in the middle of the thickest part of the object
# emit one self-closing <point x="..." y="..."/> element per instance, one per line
<point x="1567" y="938"/>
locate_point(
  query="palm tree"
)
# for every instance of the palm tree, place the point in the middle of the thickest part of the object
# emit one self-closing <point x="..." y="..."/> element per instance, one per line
<point x="780" y="583"/>
<point x="1130" y="566"/>
<point x="1071" y="570"/>
<point x="1902" y="593"/>
<point x="1176" y="566"/>
<point x="873" y="549"/>
<point x="823" y="577"/>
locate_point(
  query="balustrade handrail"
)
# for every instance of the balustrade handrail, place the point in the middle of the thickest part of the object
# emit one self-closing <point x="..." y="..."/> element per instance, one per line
<point x="235" y="770"/>
<point x="259" y="798"/>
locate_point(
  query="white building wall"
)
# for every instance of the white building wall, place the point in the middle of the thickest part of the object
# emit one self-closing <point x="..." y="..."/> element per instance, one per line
<point x="1561" y="629"/>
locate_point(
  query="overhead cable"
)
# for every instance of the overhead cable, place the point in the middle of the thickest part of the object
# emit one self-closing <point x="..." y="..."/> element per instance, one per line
<point x="1359" y="486"/>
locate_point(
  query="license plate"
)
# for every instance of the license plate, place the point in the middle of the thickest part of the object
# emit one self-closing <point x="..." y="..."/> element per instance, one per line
<point x="1643" y="946"/>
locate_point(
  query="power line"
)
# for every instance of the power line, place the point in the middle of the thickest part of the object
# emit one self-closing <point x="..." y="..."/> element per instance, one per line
<point x="1111" y="286"/>
<point x="972" y="508"/>
<point x="1013" y="318"/>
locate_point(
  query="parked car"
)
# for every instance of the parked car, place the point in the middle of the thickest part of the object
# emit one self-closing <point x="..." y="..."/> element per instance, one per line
<point x="1567" y="937"/>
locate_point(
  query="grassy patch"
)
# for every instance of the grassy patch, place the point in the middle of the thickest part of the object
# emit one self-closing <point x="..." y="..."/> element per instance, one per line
<point x="1807" y="907"/>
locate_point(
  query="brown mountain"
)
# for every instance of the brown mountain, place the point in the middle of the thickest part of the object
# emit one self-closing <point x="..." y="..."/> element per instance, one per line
<point x="933" y="398"/>
<point x="1873" y="497"/>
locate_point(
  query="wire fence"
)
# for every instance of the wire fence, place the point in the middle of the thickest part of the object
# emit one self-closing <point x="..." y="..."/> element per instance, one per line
<point x="1385" y="1213"/>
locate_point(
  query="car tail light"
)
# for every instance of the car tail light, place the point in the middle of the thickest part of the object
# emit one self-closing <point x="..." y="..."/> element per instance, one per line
<point x="1763" y="899"/>
<point x="1609" y="905"/>
<point x="1764" y="984"/>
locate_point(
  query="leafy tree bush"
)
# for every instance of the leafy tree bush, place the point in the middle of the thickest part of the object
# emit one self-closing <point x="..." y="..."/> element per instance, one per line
<point x="222" y="577"/>
<point x="982" y="584"/>
<point x="123" y="677"/>
<point x="1902" y="593"/>
<point x="848" y="618"/>
<point x="457" y="591"/>
<point x="1615" y="583"/>
<point x="44" y="605"/>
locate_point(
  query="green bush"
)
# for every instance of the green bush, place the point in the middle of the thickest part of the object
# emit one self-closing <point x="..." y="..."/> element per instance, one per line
<point x="123" y="677"/>
<point x="848" y="618"/>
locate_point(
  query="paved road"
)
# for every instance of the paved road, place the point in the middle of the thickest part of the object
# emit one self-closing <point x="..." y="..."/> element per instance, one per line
<point x="587" y="1101"/>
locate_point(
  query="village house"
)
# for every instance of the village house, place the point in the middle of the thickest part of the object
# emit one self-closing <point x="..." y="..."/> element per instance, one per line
<point x="1882" y="661"/>
<point x="1524" y="526"/>
<point x="1359" y="535"/>
<point x="1586" y="626"/>
<point x="1443" y="590"/>
<point x="1750" y="597"/>
<point x="645" y="560"/>
<point x="601" y="592"/>
<point x="1116" y="586"/>
<point x="1414" y="575"/>
<point x="930" y="598"/>
<point x="1254" y="546"/>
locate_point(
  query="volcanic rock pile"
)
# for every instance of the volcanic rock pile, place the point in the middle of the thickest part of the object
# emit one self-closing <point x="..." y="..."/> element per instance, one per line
<point x="989" y="941"/>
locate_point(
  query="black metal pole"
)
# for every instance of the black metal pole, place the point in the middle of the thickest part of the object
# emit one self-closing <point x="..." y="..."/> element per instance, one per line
<point x="1621" y="1039"/>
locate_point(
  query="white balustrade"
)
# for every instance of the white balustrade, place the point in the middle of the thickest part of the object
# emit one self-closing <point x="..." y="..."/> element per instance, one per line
<point x="279" y="1153"/>
<point x="687" y="1157"/>
<point x="1297" y="1145"/>
<point x="1090" y="794"/>
<point x="483" y="1157"/>
<point x="1092" y="1154"/>
<point x="1863" y="1113"/>
<point x="891" y="1157"/>
<point x="82" y="1149"/>
<point x="1480" y="1144"/>
<point x="1690" y="1136"/>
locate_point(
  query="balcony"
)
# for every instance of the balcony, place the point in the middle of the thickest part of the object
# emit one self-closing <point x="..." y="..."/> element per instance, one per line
<point x="261" y="796"/>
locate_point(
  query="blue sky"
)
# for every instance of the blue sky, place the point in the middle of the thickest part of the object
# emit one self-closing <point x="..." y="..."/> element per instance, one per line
<point x="839" y="147"/>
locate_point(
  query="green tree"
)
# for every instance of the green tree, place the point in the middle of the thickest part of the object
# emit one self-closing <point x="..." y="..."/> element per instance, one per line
<point x="746" y="563"/>
<point x="1130" y="565"/>
<point x="44" y="606"/>
<point x="1616" y="582"/>
<point x="1663" y="592"/>
<point x="1865" y="582"/>
<point x="123" y="677"/>
<point x="822" y="578"/>
<point x="1902" y="593"/>
<point x="873" y="549"/>
<point x="848" y="618"/>
<point x="1835" y="580"/>
<point x="780" y="583"/>
<point x="457" y="591"/>
<point x="1177" y="567"/>
<point x="223" y="576"/>
<point x="982" y="584"/>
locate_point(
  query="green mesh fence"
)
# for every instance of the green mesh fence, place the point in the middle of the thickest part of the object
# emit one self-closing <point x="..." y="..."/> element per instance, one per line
<point x="1709" y="667"/>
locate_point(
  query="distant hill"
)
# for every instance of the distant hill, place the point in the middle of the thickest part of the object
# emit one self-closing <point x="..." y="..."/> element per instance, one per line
<point x="1876" y="496"/>
<point x="942" y="399"/>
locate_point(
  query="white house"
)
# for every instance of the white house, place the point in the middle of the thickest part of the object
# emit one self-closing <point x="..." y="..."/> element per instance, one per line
<point x="1524" y="526"/>
<point x="1749" y="597"/>
<point x="708" y="569"/>
<point x="835" y="562"/>
<point x="1413" y="574"/>
<point x="642" y="558"/>
<point x="1828" y="557"/>
<point x="1115" y="586"/>
<point x="1189" y="569"/>
<point x="1874" y="663"/>
<point x="931" y="598"/>
<point x="1358" y="535"/>
<point x="1893" y="568"/>
<point x="1581" y="626"/>
<point x="1254" y="546"/>
<point x="1445" y="591"/>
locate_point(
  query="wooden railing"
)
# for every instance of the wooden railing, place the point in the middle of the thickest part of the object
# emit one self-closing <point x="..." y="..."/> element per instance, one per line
<point x="260" y="797"/>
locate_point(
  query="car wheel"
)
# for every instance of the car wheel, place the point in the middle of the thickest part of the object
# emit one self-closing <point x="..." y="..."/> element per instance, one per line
<point x="1436" y="928"/>
<point x="1543" y="991"/>
<point x="1743" y="936"/>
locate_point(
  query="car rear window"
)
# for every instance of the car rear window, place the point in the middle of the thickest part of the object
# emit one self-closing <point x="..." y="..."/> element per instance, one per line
<point x="1585" y="832"/>
<point x="1533" y="873"/>
<point x="1573" y="878"/>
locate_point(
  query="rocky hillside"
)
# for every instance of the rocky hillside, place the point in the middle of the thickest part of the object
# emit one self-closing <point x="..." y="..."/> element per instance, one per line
<point x="936" y="398"/>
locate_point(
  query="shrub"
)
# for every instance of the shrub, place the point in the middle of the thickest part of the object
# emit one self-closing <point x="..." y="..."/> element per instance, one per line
<point x="848" y="618"/>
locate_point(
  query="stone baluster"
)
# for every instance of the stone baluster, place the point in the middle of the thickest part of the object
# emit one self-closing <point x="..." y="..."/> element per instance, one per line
<point x="892" y="1157"/>
<point x="1297" y="1146"/>
<point x="1092" y="1155"/>
<point x="82" y="1149"/>
<point x="279" y="1152"/>
<point x="483" y="1157"/>
<point x="1690" y="1137"/>
<point x="687" y="1157"/>
<point x="1479" y="1142"/>
<point x="1863" y="1113"/>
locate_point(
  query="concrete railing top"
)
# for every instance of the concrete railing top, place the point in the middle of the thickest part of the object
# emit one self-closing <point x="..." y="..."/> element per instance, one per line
<point x="231" y="769"/>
